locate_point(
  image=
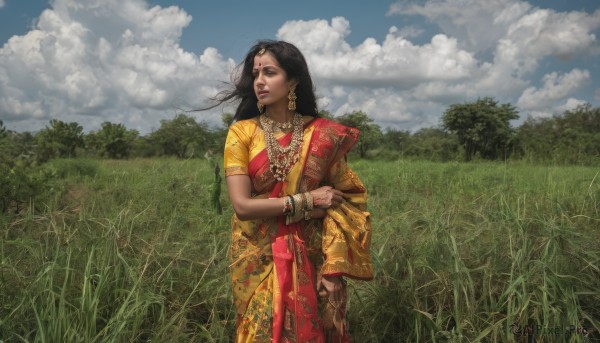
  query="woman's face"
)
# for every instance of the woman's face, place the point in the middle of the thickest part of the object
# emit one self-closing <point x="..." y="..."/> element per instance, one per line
<point x="271" y="84"/>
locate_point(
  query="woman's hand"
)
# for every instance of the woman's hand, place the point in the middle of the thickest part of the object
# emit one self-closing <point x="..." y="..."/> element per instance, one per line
<point x="326" y="197"/>
<point x="332" y="287"/>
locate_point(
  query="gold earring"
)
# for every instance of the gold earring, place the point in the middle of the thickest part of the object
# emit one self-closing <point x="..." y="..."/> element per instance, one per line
<point x="292" y="97"/>
<point x="260" y="106"/>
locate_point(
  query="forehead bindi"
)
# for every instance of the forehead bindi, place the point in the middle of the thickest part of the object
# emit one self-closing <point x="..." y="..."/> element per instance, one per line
<point x="265" y="60"/>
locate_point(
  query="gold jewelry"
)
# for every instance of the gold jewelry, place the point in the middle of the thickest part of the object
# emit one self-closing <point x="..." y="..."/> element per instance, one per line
<point x="292" y="97"/>
<point x="285" y="126"/>
<point x="299" y="202"/>
<point x="287" y="205"/>
<point x="309" y="205"/>
<point x="262" y="51"/>
<point x="260" y="106"/>
<point x="298" y="214"/>
<point x="282" y="159"/>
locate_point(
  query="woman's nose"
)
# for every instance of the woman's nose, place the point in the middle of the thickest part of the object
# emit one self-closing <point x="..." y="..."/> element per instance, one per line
<point x="259" y="79"/>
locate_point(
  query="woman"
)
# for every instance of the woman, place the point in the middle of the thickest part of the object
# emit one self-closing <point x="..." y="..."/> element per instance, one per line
<point x="300" y="223"/>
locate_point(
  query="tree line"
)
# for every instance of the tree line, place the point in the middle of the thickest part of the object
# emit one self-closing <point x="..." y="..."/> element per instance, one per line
<point x="468" y="131"/>
<point x="472" y="130"/>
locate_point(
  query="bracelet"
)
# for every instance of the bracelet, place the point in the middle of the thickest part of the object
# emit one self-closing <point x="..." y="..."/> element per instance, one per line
<point x="293" y="201"/>
<point x="309" y="201"/>
<point x="303" y="197"/>
<point x="298" y="203"/>
<point x="287" y="205"/>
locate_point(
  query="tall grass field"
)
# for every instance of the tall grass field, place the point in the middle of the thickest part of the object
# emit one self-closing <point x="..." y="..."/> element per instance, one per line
<point x="131" y="251"/>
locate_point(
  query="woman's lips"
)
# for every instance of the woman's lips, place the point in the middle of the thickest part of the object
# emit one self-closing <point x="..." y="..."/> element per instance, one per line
<point x="262" y="93"/>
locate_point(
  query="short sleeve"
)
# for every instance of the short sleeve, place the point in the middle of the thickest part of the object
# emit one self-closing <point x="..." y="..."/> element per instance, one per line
<point x="237" y="150"/>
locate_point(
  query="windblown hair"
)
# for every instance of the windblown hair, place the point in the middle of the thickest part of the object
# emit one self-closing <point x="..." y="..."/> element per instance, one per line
<point x="291" y="60"/>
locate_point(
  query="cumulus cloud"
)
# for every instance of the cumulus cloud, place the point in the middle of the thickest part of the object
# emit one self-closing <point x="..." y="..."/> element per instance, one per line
<point x="121" y="61"/>
<point x="396" y="61"/>
<point x="108" y="60"/>
<point x="381" y="79"/>
<point x="478" y="24"/>
<point x="2" y="3"/>
<point x="401" y="83"/>
<point x="556" y="88"/>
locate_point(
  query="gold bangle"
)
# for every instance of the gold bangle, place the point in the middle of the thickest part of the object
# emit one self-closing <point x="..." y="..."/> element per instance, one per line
<point x="287" y="205"/>
<point x="309" y="201"/>
<point x="299" y="203"/>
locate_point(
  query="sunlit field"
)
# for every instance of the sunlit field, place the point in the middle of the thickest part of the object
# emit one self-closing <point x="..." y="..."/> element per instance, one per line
<point x="131" y="251"/>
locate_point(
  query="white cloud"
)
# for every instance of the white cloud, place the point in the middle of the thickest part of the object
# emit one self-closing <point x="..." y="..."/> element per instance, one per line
<point x="120" y="60"/>
<point x="108" y="60"/>
<point x="556" y="88"/>
<point x="558" y="109"/>
<point x="399" y="83"/>
<point x="512" y="28"/>
<point x="478" y="24"/>
<point x="549" y="33"/>
<point x="2" y="3"/>
<point x="396" y="61"/>
<point x="410" y="32"/>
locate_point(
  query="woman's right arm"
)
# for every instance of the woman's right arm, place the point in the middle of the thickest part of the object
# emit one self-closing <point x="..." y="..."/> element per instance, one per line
<point x="248" y="208"/>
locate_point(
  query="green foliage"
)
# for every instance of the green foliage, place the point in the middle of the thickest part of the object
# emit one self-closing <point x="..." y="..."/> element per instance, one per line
<point x="482" y="127"/>
<point x="2" y="130"/>
<point x="227" y="119"/>
<point x="23" y="186"/>
<point x="73" y="168"/>
<point x="129" y="254"/>
<point x="462" y="252"/>
<point x="112" y="140"/>
<point x="477" y="252"/>
<point x="59" y="140"/>
<point x="370" y="133"/>
<point x="571" y="138"/>
<point x="181" y="137"/>
<point x="426" y="144"/>
<point x="326" y="114"/>
<point x="434" y="145"/>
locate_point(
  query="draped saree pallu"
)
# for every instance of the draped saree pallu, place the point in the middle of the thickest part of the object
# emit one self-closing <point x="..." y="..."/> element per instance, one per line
<point x="275" y="266"/>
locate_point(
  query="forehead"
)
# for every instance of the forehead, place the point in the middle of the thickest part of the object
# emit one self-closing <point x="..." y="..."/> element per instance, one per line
<point x="265" y="59"/>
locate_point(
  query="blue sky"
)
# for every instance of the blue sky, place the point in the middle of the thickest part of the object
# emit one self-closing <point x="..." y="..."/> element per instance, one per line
<point x="403" y="62"/>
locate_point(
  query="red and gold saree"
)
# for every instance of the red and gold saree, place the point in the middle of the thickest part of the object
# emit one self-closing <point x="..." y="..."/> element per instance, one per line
<point x="274" y="266"/>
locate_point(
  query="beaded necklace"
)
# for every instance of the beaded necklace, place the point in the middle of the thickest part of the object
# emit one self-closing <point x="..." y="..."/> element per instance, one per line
<point x="282" y="159"/>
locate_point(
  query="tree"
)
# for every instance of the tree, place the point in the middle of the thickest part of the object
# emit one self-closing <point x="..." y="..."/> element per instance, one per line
<point x="227" y="119"/>
<point x="396" y="140"/>
<point x="59" y="140"/>
<point x="370" y="133"/>
<point x="433" y="144"/>
<point x="573" y="137"/>
<point x="482" y="127"/>
<point x="112" y="140"/>
<point x="181" y="137"/>
<point x="2" y="130"/>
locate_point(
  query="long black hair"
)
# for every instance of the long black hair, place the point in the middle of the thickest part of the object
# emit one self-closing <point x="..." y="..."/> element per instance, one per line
<point x="291" y="60"/>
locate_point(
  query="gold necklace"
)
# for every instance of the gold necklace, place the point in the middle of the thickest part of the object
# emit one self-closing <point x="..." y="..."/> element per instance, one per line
<point x="282" y="159"/>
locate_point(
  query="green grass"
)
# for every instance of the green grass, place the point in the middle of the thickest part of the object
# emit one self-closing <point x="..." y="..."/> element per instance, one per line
<point x="131" y="251"/>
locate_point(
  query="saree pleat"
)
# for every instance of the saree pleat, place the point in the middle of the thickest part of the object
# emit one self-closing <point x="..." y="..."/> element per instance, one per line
<point x="275" y="266"/>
